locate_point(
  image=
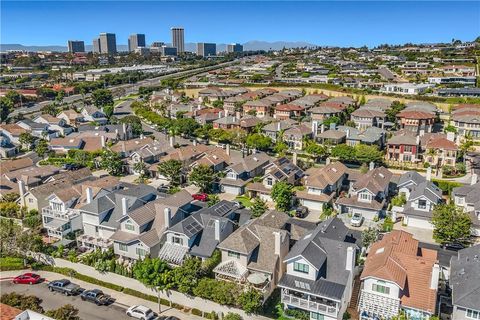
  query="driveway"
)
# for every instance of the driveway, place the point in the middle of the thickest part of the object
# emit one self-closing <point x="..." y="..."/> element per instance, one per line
<point x="420" y="234"/>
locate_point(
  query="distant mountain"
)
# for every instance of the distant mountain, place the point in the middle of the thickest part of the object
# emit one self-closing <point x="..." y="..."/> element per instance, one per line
<point x="189" y="46"/>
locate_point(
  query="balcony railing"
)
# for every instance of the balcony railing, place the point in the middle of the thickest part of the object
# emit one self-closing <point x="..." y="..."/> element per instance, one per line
<point x="64" y="215"/>
<point x="94" y="241"/>
<point x="309" y="305"/>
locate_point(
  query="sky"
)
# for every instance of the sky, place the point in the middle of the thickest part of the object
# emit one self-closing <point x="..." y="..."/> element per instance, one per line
<point x="341" y="23"/>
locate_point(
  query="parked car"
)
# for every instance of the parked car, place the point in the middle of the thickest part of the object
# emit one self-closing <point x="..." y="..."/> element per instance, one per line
<point x="453" y="246"/>
<point x="27" y="278"/>
<point x="65" y="286"/>
<point x="356" y="220"/>
<point x="141" y="312"/>
<point x="200" y="197"/>
<point x="96" y="296"/>
<point x="301" y="212"/>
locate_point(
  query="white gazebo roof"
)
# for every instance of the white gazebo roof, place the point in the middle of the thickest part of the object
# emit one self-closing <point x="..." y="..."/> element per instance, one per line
<point x="231" y="268"/>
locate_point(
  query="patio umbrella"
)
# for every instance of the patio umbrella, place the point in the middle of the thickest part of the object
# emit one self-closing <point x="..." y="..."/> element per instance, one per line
<point x="257" y="278"/>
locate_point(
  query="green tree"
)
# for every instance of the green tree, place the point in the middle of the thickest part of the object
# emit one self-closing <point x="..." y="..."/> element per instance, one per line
<point x="250" y="301"/>
<point x="258" y="141"/>
<point x="102" y="98"/>
<point x="41" y="148"/>
<point x="66" y="312"/>
<point x="334" y="119"/>
<point x="149" y="271"/>
<point x="282" y="194"/>
<point x="134" y="122"/>
<point x="392" y="112"/>
<point x="315" y="150"/>
<point x="213" y="199"/>
<point x="13" y="96"/>
<point x="51" y="109"/>
<point x="217" y="104"/>
<point x="172" y="170"/>
<point x="6" y="106"/>
<point x="202" y="176"/>
<point x="22" y="302"/>
<point x="280" y="147"/>
<point x="451" y="224"/>
<point x="366" y="154"/>
<point x="258" y="207"/>
<point x="343" y="152"/>
<point x="111" y="162"/>
<point x="141" y="169"/>
<point x="185" y="126"/>
<point x="26" y="139"/>
<point x="186" y="276"/>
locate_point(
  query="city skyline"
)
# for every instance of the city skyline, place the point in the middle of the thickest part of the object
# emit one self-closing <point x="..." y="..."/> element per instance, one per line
<point x="362" y="23"/>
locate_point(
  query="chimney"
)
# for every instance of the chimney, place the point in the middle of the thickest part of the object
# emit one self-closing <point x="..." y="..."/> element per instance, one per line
<point x="124" y="128"/>
<point x="124" y="206"/>
<point x="217" y="230"/>
<point x="327" y="161"/>
<point x="474" y="179"/>
<point x="103" y="141"/>
<point x="314" y="128"/>
<point x="422" y="133"/>
<point x="350" y="262"/>
<point x="347" y="133"/>
<point x="220" y="114"/>
<point x="172" y="141"/>
<point x="371" y="166"/>
<point x="295" y="158"/>
<point x="322" y="128"/>
<point x="89" y="195"/>
<point x="451" y="136"/>
<point x="142" y="136"/>
<point x="417" y="142"/>
<point x="116" y="132"/>
<point x="167" y="217"/>
<point x="228" y="149"/>
<point x="124" y="149"/>
<point x="21" y="190"/>
<point x="194" y="142"/>
<point x="429" y="173"/>
<point x="435" y="276"/>
<point x="278" y="243"/>
<point x="279" y="127"/>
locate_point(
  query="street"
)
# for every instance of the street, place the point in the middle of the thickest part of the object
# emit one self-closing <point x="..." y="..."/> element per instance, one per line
<point x="87" y="310"/>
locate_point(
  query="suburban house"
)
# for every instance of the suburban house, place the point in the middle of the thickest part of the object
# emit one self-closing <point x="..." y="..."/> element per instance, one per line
<point x="141" y="230"/>
<point x="12" y="131"/>
<point x="279" y="170"/>
<point x="403" y="147"/>
<point x="38" y="130"/>
<point x="465" y="283"/>
<point x="467" y="198"/>
<point x="54" y="124"/>
<point x="295" y="136"/>
<point x="70" y="116"/>
<point x="367" y="195"/>
<point x="93" y="114"/>
<point x="274" y="130"/>
<point x="368" y="117"/>
<point x="126" y="148"/>
<point x="399" y="276"/>
<point x="466" y="119"/>
<point x="227" y="122"/>
<point x="321" y="185"/>
<point x="422" y="196"/>
<point x="320" y="271"/>
<point x="369" y="136"/>
<point x="254" y="253"/>
<point x="416" y="121"/>
<point x="288" y="111"/>
<point x="439" y="149"/>
<point x="101" y="214"/>
<point x="238" y="175"/>
<point x="199" y="234"/>
<point x="260" y="108"/>
<point x="63" y="145"/>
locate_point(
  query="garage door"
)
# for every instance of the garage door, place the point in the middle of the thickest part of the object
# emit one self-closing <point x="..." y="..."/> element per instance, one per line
<point x="312" y="205"/>
<point x="232" y="190"/>
<point x="418" y="223"/>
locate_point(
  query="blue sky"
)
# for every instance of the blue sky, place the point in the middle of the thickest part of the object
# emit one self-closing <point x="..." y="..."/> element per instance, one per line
<point x="324" y="23"/>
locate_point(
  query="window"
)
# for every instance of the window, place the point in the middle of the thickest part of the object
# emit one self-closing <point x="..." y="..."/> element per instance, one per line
<point x="269" y="182"/>
<point x="472" y="314"/>
<point x="235" y="255"/>
<point x="364" y="196"/>
<point x="316" y="316"/>
<point x="141" y="252"/>
<point x="122" y="247"/>
<point x="300" y="267"/>
<point x="422" y="204"/>
<point x="30" y="200"/>
<point x="380" y="287"/>
<point x="177" y="240"/>
<point x="130" y="227"/>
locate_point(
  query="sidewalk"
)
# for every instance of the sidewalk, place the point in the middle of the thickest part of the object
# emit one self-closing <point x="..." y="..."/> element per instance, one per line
<point x="121" y="299"/>
<point x="174" y="296"/>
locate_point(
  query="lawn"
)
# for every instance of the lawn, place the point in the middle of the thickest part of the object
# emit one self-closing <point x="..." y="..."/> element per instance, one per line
<point x="244" y="200"/>
<point x="11" y="263"/>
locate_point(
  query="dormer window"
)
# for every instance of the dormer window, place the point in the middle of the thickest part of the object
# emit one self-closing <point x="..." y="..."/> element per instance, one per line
<point x="269" y="181"/>
<point x="300" y="267"/>
<point x="422" y="204"/>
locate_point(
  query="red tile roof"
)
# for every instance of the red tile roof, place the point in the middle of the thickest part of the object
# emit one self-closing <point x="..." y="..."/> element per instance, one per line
<point x="414" y="114"/>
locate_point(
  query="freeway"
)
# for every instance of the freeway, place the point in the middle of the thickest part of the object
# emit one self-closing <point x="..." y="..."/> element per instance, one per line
<point x="127" y="89"/>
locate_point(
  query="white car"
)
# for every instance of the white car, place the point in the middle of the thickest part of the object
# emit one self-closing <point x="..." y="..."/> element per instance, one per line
<point x="141" y="312"/>
<point x="356" y="220"/>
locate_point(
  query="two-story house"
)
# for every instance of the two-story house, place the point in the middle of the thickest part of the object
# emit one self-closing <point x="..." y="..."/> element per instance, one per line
<point x="93" y="114"/>
<point x="368" y="117"/>
<point x="403" y="147"/>
<point x="279" y="170"/>
<point x="399" y="276"/>
<point x="440" y="149"/>
<point x="321" y="185"/>
<point x="54" y="124"/>
<point x="288" y="111"/>
<point x="141" y="230"/>
<point x="367" y="196"/>
<point x="465" y="283"/>
<point x="416" y="121"/>
<point x="238" y="175"/>
<point x="467" y="198"/>
<point x="275" y="130"/>
<point x="320" y="271"/>
<point x="295" y="136"/>
<point x="466" y="119"/>
<point x="199" y="234"/>
<point x="254" y="253"/>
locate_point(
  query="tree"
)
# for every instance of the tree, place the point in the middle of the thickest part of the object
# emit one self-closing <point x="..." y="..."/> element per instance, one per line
<point x="258" y="207"/>
<point x="250" y="301"/>
<point x="369" y="236"/>
<point x="171" y="169"/>
<point x="315" y="150"/>
<point x="186" y="276"/>
<point x="26" y="139"/>
<point x="149" y="271"/>
<point x="6" y="106"/>
<point x="66" y="312"/>
<point x="282" y="194"/>
<point x="202" y="176"/>
<point x="141" y="168"/>
<point x="102" y="98"/>
<point x="217" y="104"/>
<point x="213" y="199"/>
<point x="258" y="141"/>
<point x="22" y="302"/>
<point x="280" y="147"/>
<point x="41" y="148"/>
<point x="185" y="126"/>
<point x="334" y="119"/>
<point x="134" y="122"/>
<point x="366" y="154"/>
<point x="451" y="224"/>
<point x="343" y="152"/>
<point x="50" y="109"/>
<point x="392" y="112"/>
<point x="111" y="162"/>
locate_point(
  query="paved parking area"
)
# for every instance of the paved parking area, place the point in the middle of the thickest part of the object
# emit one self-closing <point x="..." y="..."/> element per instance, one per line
<point x="420" y="234"/>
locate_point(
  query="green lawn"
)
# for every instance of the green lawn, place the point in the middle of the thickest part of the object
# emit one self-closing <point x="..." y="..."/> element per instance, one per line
<point x="244" y="200"/>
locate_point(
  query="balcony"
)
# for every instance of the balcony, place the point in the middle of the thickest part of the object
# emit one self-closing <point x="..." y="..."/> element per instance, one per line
<point x="310" y="305"/>
<point x="63" y="215"/>
<point x="94" y="242"/>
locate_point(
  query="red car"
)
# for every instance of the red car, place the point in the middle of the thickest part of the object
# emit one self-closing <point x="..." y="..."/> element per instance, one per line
<point x="200" y="196"/>
<point x="27" y="278"/>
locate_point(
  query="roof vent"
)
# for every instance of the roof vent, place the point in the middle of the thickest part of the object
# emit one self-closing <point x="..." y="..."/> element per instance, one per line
<point x="381" y="250"/>
<point x="255" y="159"/>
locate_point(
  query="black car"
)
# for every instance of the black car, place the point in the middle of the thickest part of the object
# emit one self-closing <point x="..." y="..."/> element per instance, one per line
<point x="453" y="246"/>
<point x="301" y="212"/>
<point x="65" y="286"/>
<point x="96" y="296"/>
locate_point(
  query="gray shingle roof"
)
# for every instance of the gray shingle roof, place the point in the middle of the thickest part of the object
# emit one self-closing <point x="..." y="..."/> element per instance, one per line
<point x="465" y="278"/>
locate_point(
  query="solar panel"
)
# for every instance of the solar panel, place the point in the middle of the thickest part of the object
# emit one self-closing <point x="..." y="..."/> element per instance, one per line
<point x="222" y="209"/>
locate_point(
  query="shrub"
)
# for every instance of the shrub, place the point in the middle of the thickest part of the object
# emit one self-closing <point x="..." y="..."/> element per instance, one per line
<point x="22" y="301"/>
<point x="11" y="263"/>
<point x="197" y="312"/>
<point x="140" y="295"/>
<point x="250" y="301"/>
<point x="232" y="316"/>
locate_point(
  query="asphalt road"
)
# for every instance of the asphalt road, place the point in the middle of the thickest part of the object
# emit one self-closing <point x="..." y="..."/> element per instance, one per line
<point x="87" y="310"/>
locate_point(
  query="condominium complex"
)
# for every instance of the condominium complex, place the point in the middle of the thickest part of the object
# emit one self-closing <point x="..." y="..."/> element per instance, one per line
<point x="178" y="40"/>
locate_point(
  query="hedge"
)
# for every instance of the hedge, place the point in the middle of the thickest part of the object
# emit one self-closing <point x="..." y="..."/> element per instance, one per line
<point x="11" y="263"/>
<point x="197" y="312"/>
<point x="446" y="186"/>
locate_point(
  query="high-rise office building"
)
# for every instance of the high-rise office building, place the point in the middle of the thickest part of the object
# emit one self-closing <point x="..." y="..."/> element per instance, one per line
<point x="234" y="48"/>
<point x="168" y="51"/>
<point x="157" y="44"/>
<point x="96" y="46"/>
<point x="178" y="39"/>
<point x="206" y="49"/>
<point x="75" y="46"/>
<point x="135" y="41"/>
<point x="108" y="43"/>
